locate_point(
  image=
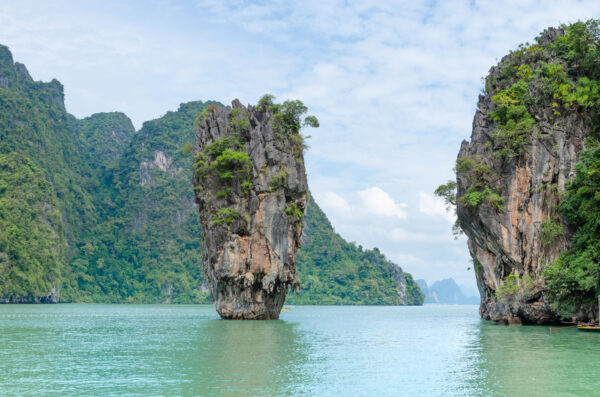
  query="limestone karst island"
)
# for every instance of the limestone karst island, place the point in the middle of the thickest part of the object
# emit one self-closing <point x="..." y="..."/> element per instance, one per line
<point x="269" y="199"/>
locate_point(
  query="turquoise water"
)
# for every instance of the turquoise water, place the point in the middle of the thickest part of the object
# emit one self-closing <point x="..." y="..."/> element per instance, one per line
<point x="434" y="350"/>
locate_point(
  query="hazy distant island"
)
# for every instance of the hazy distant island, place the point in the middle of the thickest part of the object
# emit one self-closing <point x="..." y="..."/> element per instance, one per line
<point x="446" y="291"/>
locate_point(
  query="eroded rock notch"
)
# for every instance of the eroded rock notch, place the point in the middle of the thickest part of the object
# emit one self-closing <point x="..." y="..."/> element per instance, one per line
<point x="251" y="188"/>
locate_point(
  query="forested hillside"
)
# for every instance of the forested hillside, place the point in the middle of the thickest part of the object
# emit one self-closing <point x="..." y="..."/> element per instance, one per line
<point x="92" y="211"/>
<point x="43" y="208"/>
<point x="148" y="249"/>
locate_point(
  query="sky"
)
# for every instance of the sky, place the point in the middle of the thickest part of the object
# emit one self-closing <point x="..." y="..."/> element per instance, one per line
<point x="394" y="85"/>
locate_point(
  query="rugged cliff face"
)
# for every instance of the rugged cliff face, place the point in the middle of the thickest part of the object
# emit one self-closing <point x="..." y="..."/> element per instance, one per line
<point x="529" y="129"/>
<point x="408" y="290"/>
<point x="251" y="189"/>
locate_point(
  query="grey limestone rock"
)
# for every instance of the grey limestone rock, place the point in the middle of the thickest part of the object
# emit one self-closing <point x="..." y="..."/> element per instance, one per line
<point x="509" y="240"/>
<point x="251" y="188"/>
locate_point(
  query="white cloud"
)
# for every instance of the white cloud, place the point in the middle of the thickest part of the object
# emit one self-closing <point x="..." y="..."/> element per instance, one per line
<point x="375" y="201"/>
<point x="433" y="206"/>
<point x="398" y="234"/>
<point x="362" y="205"/>
<point x="333" y="202"/>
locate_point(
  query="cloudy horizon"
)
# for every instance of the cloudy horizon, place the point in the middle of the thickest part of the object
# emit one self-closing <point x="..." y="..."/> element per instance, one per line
<point x="394" y="85"/>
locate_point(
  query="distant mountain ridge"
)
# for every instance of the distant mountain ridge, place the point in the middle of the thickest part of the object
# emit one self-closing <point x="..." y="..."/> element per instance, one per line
<point x="446" y="291"/>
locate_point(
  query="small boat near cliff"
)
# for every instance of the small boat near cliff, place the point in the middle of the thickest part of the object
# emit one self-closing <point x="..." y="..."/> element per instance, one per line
<point x="593" y="327"/>
<point x="588" y="328"/>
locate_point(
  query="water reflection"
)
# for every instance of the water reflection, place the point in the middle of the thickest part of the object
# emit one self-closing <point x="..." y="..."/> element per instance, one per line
<point x="244" y="358"/>
<point x="467" y="374"/>
<point x="146" y="350"/>
<point x="535" y="361"/>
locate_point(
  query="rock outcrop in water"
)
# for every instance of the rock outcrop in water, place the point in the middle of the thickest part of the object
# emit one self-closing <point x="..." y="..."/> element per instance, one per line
<point x="251" y="189"/>
<point x="528" y="132"/>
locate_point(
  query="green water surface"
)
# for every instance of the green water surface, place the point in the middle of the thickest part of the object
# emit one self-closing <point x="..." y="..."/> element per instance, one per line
<point x="433" y="350"/>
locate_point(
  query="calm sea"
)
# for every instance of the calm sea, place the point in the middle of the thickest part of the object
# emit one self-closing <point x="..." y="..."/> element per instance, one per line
<point x="433" y="350"/>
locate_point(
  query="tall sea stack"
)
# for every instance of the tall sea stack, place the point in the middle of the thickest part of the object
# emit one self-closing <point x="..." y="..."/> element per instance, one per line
<point x="251" y="188"/>
<point x="515" y="201"/>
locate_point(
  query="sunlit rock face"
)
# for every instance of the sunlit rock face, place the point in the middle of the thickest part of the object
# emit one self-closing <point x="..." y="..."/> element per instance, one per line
<point x="251" y="188"/>
<point x="508" y="238"/>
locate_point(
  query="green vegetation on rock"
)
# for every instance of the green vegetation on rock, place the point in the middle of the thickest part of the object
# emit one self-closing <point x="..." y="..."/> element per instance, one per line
<point x="514" y="121"/>
<point x="516" y="287"/>
<point x="479" y="190"/>
<point x="31" y="240"/>
<point x="226" y="162"/>
<point x="46" y="204"/>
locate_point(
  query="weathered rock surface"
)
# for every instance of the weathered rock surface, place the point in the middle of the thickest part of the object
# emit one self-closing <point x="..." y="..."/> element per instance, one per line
<point x="251" y="209"/>
<point x="52" y="297"/>
<point x="508" y="241"/>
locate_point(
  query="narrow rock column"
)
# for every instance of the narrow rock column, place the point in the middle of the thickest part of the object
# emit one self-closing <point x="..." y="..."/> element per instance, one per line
<point x="251" y="188"/>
